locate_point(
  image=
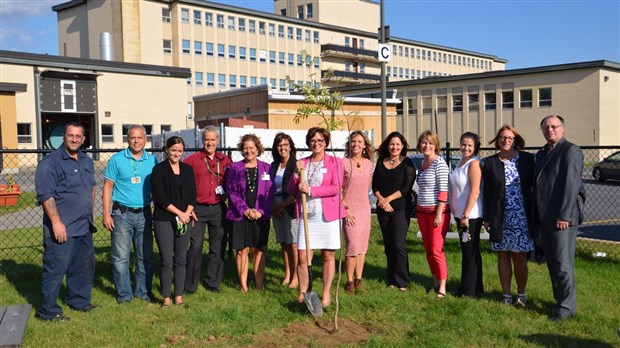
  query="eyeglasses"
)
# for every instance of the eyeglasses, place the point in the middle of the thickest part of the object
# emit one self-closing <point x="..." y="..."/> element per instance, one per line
<point x="502" y="138"/>
<point x="317" y="141"/>
<point x="553" y="127"/>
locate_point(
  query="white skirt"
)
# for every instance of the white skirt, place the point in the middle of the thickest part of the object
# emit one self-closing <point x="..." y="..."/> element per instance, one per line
<point x="322" y="234"/>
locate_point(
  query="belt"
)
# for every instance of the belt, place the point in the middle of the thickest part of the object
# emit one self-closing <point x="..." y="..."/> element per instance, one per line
<point x="209" y="205"/>
<point x="124" y="208"/>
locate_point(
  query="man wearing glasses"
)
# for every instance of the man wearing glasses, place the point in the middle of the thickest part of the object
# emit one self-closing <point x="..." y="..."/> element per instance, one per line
<point x="557" y="185"/>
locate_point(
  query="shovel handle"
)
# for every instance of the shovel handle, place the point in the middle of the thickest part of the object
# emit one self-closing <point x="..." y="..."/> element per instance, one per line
<point x="305" y="217"/>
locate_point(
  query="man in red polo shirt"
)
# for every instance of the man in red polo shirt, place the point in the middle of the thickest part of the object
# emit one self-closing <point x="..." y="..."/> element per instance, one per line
<point x="210" y="169"/>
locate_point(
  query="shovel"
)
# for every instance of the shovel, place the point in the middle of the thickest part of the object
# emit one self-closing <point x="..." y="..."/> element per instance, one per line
<point x="310" y="297"/>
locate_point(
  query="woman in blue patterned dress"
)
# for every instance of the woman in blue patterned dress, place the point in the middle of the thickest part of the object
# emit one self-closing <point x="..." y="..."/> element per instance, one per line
<point x="507" y="193"/>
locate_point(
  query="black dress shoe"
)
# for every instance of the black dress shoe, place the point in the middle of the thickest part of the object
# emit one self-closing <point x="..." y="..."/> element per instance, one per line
<point x="556" y="318"/>
<point x="212" y="289"/>
<point x="88" y="308"/>
<point x="56" y="318"/>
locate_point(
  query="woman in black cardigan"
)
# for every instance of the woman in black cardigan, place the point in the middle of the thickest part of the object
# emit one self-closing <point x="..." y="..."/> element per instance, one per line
<point x="283" y="209"/>
<point x="173" y="187"/>
<point x="507" y="203"/>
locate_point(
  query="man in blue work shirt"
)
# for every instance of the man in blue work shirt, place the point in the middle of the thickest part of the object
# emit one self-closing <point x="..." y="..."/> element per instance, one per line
<point x="126" y="190"/>
<point x="65" y="186"/>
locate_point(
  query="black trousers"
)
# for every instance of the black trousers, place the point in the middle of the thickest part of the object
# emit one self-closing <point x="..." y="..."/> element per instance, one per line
<point x="394" y="227"/>
<point x="210" y="217"/>
<point x="172" y="254"/>
<point x="471" y="263"/>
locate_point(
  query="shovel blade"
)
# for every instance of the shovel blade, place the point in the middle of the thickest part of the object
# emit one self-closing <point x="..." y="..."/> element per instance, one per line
<point x="313" y="303"/>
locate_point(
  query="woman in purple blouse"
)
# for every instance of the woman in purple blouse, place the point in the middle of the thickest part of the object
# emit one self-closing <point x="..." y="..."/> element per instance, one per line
<point x="250" y="196"/>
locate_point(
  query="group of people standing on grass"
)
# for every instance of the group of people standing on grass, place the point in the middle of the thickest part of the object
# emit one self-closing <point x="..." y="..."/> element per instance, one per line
<point x="519" y="198"/>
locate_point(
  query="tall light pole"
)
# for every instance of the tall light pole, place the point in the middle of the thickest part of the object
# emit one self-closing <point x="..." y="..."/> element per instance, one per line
<point x="382" y="30"/>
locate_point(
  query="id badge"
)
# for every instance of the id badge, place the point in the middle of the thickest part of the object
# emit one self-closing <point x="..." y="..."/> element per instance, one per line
<point x="265" y="177"/>
<point x="219" y="190"/>
<point x="136" y="179"/>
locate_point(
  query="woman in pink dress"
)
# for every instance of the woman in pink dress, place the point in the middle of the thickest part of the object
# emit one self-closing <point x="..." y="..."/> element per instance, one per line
<point x="358" y="171"/>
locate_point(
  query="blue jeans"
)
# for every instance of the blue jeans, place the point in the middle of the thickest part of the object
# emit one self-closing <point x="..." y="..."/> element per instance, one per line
<point x="137" y="228"/>
<point x="74" y="258"/>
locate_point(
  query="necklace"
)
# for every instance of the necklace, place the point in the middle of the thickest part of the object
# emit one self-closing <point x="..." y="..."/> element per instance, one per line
<point x="392" y="161"/>
<point x="357" y="163"/>
<point x="251" y="176"/>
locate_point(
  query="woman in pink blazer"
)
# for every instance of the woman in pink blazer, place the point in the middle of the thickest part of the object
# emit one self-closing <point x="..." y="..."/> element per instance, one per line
<point x="323" y="176"/>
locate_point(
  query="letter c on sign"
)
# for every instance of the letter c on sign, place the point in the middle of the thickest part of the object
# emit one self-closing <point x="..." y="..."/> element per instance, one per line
<point x="385" y="53"/>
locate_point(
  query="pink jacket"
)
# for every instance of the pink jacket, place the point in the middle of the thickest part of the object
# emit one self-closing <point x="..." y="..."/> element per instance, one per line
<point x="329" y="191"/>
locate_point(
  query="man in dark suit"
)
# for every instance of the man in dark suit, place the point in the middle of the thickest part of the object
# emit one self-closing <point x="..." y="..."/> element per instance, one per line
<point x="559" y="165"/>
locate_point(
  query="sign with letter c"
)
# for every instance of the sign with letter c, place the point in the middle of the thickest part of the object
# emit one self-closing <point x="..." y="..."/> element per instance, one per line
<point x="385" y="53"/>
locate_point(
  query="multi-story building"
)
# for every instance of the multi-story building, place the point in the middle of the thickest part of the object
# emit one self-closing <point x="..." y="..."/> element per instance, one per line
<point x="230" y="47"/>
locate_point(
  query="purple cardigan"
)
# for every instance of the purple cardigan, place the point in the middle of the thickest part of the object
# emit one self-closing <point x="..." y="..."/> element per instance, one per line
<point x="329" y="191"/>
<point x="235" y="188"/>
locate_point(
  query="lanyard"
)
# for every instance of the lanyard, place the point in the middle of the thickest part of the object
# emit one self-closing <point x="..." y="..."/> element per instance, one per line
<point x="211" y="171"/>
<point x="135" y="170"/>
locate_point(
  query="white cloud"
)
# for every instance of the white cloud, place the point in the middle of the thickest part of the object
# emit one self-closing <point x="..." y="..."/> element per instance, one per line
<point x="10" y="9"/>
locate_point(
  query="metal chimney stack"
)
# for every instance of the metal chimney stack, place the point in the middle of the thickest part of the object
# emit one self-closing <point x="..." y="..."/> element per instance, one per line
<point x="106" y="47"/>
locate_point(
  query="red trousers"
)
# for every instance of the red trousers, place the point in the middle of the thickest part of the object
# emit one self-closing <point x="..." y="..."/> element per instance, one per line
<point x="434" y="238"/>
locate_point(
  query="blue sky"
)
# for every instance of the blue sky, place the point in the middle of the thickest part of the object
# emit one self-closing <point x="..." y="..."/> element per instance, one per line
<point x="527" y="33"/>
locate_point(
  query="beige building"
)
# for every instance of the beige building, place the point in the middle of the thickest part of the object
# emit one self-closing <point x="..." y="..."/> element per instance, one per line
<point x="40" y="93"/>
<point x="586" y="94"/>
<point x="262" y="107"/>
<point x="229" y="47"/>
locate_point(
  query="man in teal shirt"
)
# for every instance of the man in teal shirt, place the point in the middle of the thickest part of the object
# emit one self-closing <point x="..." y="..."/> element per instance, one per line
<point x="126" y="190"/>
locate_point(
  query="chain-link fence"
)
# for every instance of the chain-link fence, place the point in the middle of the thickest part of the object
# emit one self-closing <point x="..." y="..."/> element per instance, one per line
<point x="21" y="233"/>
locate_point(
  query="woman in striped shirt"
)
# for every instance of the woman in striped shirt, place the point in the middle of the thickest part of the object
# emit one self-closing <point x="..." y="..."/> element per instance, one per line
<point x="432" y="210"/>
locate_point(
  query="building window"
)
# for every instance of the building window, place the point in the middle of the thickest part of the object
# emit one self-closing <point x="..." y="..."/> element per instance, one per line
<point x="544" y="97"/>
<point x="308" y="35"/>
<point x="107" y="133"/>
<point x="167" y="46"/>
<point x="280" y="31"/>
<point x="281" y="59"/>
<point x="149" y="132"/>
<point x="186" y="47"/>
<point x="309" y="11"/>
<point x="208" y="19"/>
<point x="24" y="133"/>
<point x="165" y="128"/>
<point x="231" y="23"/>
<point x="165" y="15"/>
<point x="388" y="70"/>
<point x="282" y="85"/>
<point x="252" y="54"/>
<point x="347" y="66"/>
<point x="197" y="47"/>
<point x="221" y="80"/>
<point x="198" y="78"/>
<point x="442" y="103"/>
<point x="242" y="51"/>
<point x="525" y="98"/>
<point x="263" y="80"/>
<point x="210" y="79"/>
<point x="272" y="83"/>
<point x="406" y="73"/>
<point x="490" y="101"/>
<point x="362" y="67"/>
<point x="272" y="30"/>
<point x="412" y="103"/>
<point x="427" y="104"/>
<point x="347" y="41"/>
<point x="472" y="100"/>
<point x="252" y="81"/>
<point x="291" y="59"/>
<point x="400" y="72"/>
<point x="316" y="37"/>
<point x="457" y="102"/>
<point x="508" y="99"/>
<point x="220" y="21"/>
<point x="241" y="24"/>
<point x="261" y="28"/>
<point x="272" y="57"/>
<point x="220" y="50"/>
<point x="299" y="60"/>
<point x="184" y="15"/>
<point x="298" y="34"/>
<point x="289" y="32"/>
<point x="406" y="52"/>
<point x="262" y="56"/>
<point x="188" y="81"/>
<point x="243" y="81"/>
<point x="252" y="24"/>
<point x="197" y="17"/>
<point x="232" y="51"/>
<point x="316" y="62"/>
<point x="300" y="12"/>
<point x="209" y="48"/>
<point x="283" y="12"/>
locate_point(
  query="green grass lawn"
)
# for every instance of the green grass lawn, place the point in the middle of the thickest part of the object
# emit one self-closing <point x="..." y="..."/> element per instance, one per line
<point x="391" y="318"/>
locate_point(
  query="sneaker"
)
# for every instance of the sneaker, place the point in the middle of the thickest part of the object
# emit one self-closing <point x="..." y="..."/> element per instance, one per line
<point x="507" y="300"/>
<point x="55" y="318"/>
<point x="521" y="302"/>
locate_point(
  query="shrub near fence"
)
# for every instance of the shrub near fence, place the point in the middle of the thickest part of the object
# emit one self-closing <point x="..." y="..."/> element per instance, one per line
<point x="20" y="226"/>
